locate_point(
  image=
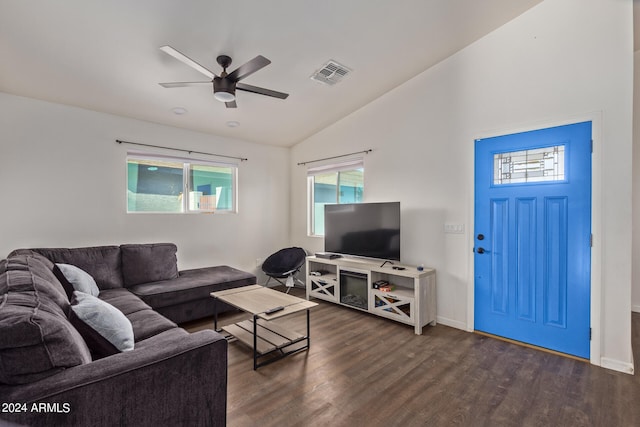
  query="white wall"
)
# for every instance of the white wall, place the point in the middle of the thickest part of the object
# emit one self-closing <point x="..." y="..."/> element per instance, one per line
<point x="561" y="60"/>
<point x="63" y="184"/>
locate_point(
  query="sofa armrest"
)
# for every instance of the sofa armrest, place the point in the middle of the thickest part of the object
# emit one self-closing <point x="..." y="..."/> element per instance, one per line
<point x="174" y="378"/>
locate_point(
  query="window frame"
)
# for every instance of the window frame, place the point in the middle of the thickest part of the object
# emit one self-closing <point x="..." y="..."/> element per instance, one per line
<point x="187" y="164"/>
<point x="312" y="172"/>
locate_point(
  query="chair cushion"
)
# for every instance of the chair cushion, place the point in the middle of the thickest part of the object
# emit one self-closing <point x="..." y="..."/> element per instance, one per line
<point x="146" y="263"/>
<point x="105" y="329"/>
<point x="36" y="339"/>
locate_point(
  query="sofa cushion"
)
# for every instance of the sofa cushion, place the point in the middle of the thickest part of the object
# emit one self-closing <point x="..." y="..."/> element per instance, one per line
<point x="145" y="263"/>
<point x="33" y="254"/>
<point x="148" y="323"/>
<point x="145" y="321"/>
<point x="123" y="300"/>
<point x="101" y="262"/>
<point x="192" y="310"/>
<point x="192" y="285"/>
<point x="79" y="279"/>
<point x="36" y="339"/>
<point x="32" y="272"/>
<point x="105" y="329"/>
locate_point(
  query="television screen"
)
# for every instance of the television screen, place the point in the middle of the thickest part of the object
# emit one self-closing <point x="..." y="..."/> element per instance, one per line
<point x="369" y="230"/>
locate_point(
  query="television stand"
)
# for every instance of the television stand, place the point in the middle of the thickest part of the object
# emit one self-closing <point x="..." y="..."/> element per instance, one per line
<point x="407" y="296"/>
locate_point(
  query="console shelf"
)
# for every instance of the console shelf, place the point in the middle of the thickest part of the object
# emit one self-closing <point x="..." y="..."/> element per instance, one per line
<point x="323" y="287"/>
<point x="411" y="298"/>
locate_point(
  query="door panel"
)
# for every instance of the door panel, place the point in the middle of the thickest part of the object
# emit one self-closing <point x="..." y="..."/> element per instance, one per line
<point x="500" y="276"/>
<point x="555" y="290"/>
<point x="532" y="256"/>
<point x="526" y="231"/>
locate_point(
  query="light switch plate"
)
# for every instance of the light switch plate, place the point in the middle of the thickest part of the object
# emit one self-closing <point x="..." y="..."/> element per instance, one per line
<point x="454" y="228"/>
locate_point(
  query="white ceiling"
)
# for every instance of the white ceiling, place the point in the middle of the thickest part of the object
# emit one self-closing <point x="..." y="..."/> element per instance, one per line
<point x="104" y="55"/>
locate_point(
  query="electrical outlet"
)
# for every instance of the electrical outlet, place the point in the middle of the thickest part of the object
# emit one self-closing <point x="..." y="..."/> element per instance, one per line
<point x="454" y="228"/>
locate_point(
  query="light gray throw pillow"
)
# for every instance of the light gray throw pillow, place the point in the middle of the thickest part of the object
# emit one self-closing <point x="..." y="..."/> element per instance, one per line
<point x="105" y="329"/>
<point x="79" y="279"/>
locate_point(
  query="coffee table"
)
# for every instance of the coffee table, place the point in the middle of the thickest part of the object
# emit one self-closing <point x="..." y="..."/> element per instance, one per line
<point x="268" y="340"/>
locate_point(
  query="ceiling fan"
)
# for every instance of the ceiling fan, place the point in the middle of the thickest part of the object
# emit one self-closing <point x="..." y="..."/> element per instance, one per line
<point x="225" y="85"/>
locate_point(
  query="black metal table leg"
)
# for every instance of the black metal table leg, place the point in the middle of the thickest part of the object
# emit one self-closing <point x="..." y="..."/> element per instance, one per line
<point x="308" y="330"/>
<point x="255" y="342"/>
<point x="215" y="314"/>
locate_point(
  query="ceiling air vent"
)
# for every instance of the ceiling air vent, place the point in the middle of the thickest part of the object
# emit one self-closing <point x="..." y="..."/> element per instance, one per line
<point x="330" y="73"/>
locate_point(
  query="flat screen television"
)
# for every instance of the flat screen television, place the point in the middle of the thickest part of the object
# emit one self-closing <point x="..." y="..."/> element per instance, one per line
<point x="370" y="230"/>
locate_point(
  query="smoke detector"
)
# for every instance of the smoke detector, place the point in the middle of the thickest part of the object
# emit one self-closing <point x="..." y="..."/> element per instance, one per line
<point x="330" y="73"/>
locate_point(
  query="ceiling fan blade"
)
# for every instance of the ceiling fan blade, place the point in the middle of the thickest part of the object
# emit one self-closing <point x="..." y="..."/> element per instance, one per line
<point x="188" y="61"/>
<point x="182" y="84"/>
<point x="249" y="68"/>
<point x="231" y="104"/>
<point x="261" y="91"/>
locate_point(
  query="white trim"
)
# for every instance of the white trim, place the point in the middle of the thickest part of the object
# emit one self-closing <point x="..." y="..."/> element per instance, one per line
<point x="617" y="365"/>
<point x="310" y="210"/>
<point x="344" y="165"/>
<point x="635" y="308"/>
<point x="595" y="118"/>
<point x="148" y="155"/>
<point x="326" y="168"/>
<point x="598" y="238"/>
<point x="452" y="323"/>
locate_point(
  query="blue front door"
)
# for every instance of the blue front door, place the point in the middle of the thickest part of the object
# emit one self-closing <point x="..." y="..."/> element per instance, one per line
<point x="532" y="247"/>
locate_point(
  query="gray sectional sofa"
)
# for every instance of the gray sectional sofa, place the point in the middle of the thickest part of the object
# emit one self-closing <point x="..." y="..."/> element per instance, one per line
<point x="50" y="375"/>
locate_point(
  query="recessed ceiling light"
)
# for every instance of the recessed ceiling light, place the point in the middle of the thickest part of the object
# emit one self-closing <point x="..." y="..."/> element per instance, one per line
<point x="233" y="123"/>
<point x="179" y="111"/>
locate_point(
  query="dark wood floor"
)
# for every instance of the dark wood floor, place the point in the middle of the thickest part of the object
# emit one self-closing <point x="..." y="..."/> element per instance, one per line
<point x="363" y="370"/>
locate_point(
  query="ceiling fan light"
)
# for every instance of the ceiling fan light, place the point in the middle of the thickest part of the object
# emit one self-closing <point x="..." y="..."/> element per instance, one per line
<point x="224" y="96"/>
<point x="224" y="90"/>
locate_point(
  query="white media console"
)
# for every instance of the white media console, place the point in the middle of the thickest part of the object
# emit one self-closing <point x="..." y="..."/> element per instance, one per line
<point x="352" y="282"/>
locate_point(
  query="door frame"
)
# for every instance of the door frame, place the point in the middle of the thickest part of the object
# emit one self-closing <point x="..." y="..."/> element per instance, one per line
<point x="596" y="220"/>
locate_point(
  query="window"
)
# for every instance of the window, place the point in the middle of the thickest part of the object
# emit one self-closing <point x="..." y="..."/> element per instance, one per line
<point x="536" y="165"/>
<point x="337" y="183"/>
<point x="173" y="185"/>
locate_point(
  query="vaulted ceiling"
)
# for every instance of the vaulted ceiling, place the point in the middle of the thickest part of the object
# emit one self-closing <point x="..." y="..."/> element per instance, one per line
<point x="105" y="56"/>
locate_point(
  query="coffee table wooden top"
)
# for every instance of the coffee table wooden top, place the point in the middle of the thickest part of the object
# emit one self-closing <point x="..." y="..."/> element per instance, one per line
<point x="256" y="299"/>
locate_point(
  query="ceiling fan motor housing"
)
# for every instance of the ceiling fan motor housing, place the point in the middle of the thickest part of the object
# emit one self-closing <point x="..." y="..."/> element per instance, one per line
<point x="221" y="84"/>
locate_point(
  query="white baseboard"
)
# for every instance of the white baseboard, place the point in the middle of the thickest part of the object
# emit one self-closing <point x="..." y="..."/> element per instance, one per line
<point x="616" y="365"/>
<point x="635" y="308"/>
<point x="453" y="323"/>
